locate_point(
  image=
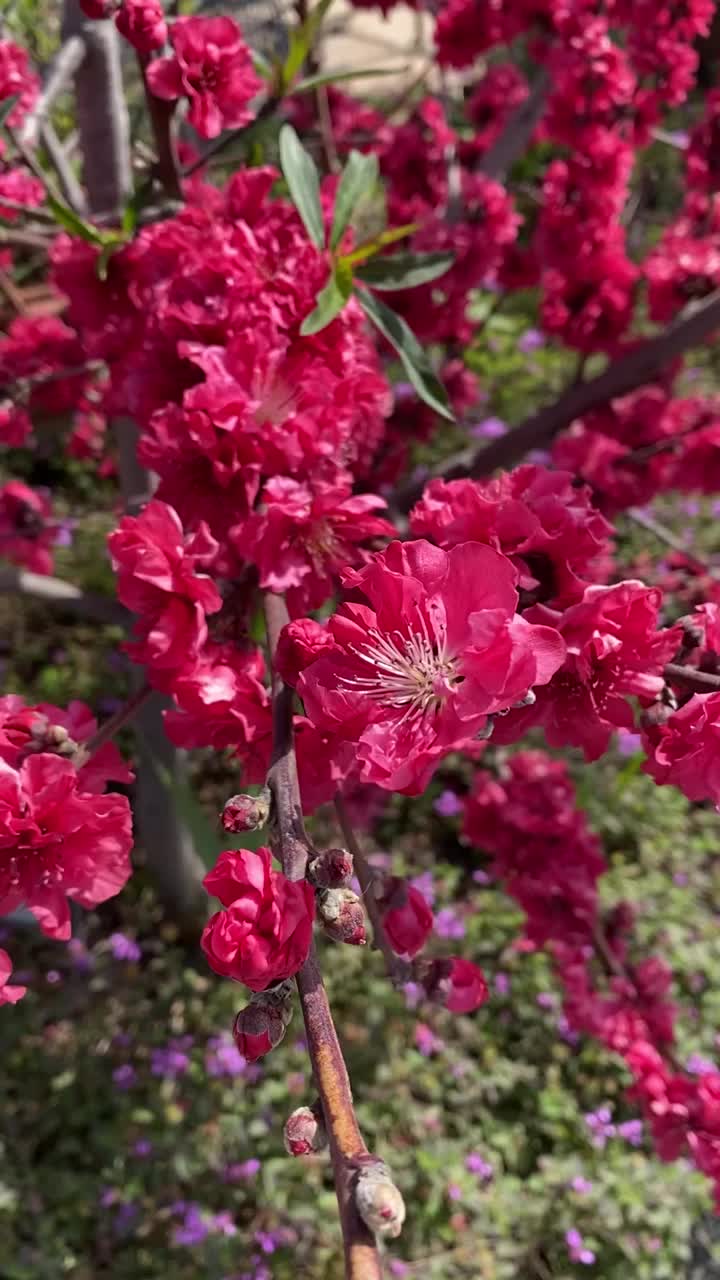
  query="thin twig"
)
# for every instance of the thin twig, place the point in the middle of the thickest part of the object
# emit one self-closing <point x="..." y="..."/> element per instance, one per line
<point x="69" y="184"/>
<point x="513" y="140"/>
<point x="29" y="211"/>
<point x="639" y="366"/>
<point x="65" y="64"/>
<point x="267" y="109"/>
<point x="161" y="116"/>
<point x="663" y="534"/>
<point x="13" y="294"/>
<point x="347" y="1148"/>
<point x="703" y="681"/>
<point x="107" y="731"/>
<point x="23" y="239"/>
<point x="61" y="595"/>
<point x="397" y="969"/>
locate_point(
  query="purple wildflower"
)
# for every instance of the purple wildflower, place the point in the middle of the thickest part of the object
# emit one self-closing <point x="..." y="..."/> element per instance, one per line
<point x="448" y="804"/>
<point x="124" y="948"/>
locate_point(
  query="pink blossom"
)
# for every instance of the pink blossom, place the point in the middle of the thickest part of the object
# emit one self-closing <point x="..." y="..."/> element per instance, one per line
<point x="212" y="67"/>
<point x="8" y="993"/>
<point x="264" y="935"/>
<point x="157" y="578"/>
<point x="26" y="530"/>
<point x="683" y="749"/>
<point x="406" y="916"/>
<point x="300" y="643"/>
<point x="57" y="841"/>
<point x="143" y="24"/>
<point x="416" y="675"/>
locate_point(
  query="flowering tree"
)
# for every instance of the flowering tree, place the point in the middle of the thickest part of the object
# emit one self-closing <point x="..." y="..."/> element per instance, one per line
<point x="296" y="588"/>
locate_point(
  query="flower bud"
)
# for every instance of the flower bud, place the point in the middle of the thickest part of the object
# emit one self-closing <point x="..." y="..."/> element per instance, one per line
<point x="378" y="1201"/>
<point x="406" y="916"/>
<point x="246" y="813"/>
<point x="304" y="1132"/>
<point x="456" y="983"/>
<point x="342" y="917"/>
<point x="261" y="1025"/>
<point x="331" y="869"/>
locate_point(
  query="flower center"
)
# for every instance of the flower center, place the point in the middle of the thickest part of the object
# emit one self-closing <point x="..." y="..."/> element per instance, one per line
<point x="412" y="673"/>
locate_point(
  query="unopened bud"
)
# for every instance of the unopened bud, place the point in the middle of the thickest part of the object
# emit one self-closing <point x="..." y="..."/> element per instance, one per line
<point x="246" y="813"/>
<point x="378" y="1201"/>
<point x="342" y="916"/>
<point x="304" y="1132"/>
<point x="51" y="738"/>
<point x="454" y="982"/>
<point x="330" y="870"/>
<point x="262" y="1024"/>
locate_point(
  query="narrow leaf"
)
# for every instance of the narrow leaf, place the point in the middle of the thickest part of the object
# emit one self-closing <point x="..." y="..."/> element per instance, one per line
<point x="413" y="358"/>
<point x="336" y="77"/>
<point x="329" y="302"/>
<point x="301" y="41"/>
<point x="70" y="220"/>
<point x="7" y="106"/>
<point x="303" y="183"/>
<point x="404" y="270"/>
<point x="381" y="241"/>
<point x="359" y="176"/>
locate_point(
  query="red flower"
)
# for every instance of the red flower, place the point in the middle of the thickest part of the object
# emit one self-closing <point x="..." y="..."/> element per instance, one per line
<point x="467" y="987"/>
<point x="300" y="643"/>
<point x="264" y="935"/>
<point x="8" y="994"/>
<point x="213" y="68"/>
<point x="17" y="78"/>
<point x="684" y="750"/>
<point x="302" y="536"/>
<point x="143" y="24"/>
<point x="406" y="916"/>
<point x="28" y="730"/>
<point x="57" y="841"/>
<point x="540" y="519"/>
<point x="26" y="531"/>
<point x="417" y="675"/>
<point x="157" y="578"/>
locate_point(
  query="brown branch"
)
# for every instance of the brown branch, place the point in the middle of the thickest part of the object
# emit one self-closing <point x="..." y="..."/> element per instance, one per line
<point x="107" y="731"/>
<point x="161" y="116"/>
<point x="703" y="681"/>
<point x="61" y="595"/>
<point x="513" y="140"/>
<point x="638" y="367"/>
<point x="397" y="969"/>
<point x="348" y="1151"/>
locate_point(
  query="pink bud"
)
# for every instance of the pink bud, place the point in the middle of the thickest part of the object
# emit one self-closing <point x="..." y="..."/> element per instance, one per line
<point x="378" y="1201"/>
<point x="246" y="813"/>
<point x="331" y="869"/>
<point x="342" y="917"/>
<point x="261" y="1025"/>
<point x="456" y="983"/>
<point x="300" y="643"/>
<point x="406" y="917"/>
<point x="304" y="1132"/>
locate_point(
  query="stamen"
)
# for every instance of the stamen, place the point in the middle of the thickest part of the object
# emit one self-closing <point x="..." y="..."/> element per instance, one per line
<point x="412" y="673"/>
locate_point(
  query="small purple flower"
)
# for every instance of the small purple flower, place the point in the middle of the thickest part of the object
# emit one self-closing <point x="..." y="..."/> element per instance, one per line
<point x="577" y="1250"/>
<point x="194" y="1229"/>
<point x="169" y="1062"/>
<point x="681" y="878"/>
<point x="546" y="1000"/>
<point x="600" y="1126"/>
<point x="266" y="1240"/>
<point x="124" y="1076"/>
<point x="223" y="1058"/>
<point x="581" y="1185"/>
<point x="481" y="877"/>
<point x="413" y="993"/>
<point x="539" y="457"/>
<point x="53" y="976"/>
<point x="489" y="429"/>
<point x="425" y="885"/>
<point x="474" y="1163"/>
<point x="531" y="340"/>
<point x="124" y="948"/>
<point x="501" y="983"/>
<point x="448" y="924"/>
<point x="222" y="1224"/>
<point x="448" y="804"/>
<point x="241" y="1171"/>
<point x="631" y="1131"/>
<point x="142" y="1148"/>
<point x="397" y="1267"/>
<point x="628" y="744"/>
<point x="80" y="956"/>
<point x="426" y="1040"/>
<point x="699" y="1066"/>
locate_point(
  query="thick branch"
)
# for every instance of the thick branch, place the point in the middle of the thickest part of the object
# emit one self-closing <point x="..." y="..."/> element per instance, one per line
<point x="102" y="114"/>
<point x="161" y="116"/>
<point x="347" y="1148"/>
<point x="700" y="681"/>
<point x="61" y="595"/>
<point x="639" y="366"/>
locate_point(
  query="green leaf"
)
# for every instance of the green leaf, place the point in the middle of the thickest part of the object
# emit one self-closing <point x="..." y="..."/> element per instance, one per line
<point x="413" y="358"/>
<point x="381" y="241"/>
<point x="303" y="183"/>
<point x="330" y="301"/>
<point x="359" y="175"/>
<point x="7" y="106"/>
<point x="336" y="77"/>
<point x="301" y="42"/>
<point x="71" y="221"/>
<point x="404" y="270"/>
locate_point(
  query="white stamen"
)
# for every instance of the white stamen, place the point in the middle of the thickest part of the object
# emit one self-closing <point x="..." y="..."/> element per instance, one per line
<point x="408" y="671"/>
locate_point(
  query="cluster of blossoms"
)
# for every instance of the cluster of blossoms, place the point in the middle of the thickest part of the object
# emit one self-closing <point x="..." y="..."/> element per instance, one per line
<point x="525" y="817"/>
<point x="61" y="838"/>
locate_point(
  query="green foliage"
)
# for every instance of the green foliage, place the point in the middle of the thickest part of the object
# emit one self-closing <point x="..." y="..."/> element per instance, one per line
<point x="412" y="357"/>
